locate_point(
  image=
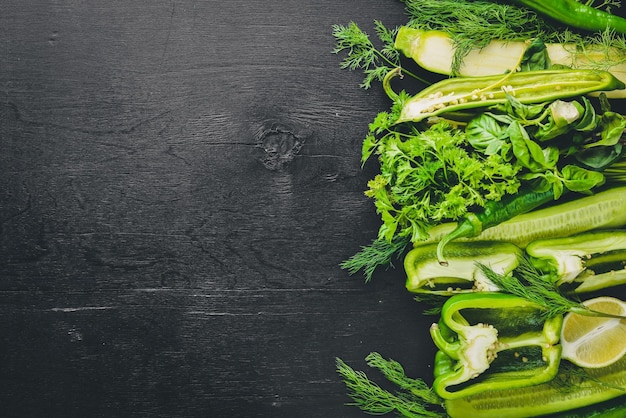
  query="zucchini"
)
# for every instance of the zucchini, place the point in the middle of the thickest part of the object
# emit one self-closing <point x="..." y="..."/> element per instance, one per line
<point x="434" y="51"/>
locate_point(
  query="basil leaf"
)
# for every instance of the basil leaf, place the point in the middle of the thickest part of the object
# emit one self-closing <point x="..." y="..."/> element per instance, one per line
<point x="600" y="157"/>
<point x="529" y="154"/>
<point x="518" y="110"/>
<point x="535" y="57"/>
<point x="578" y="179"/>
<point x="560" y="120"/>
<point x="589" y="120"/>
<point x="485" y="134"/>
<point x="613" y="126"/>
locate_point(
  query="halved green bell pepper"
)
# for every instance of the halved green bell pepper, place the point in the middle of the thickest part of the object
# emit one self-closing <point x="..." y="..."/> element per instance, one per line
<point x="493" y="341"/>
<point x="592" y="260"/>
<point x="426" y="273"/>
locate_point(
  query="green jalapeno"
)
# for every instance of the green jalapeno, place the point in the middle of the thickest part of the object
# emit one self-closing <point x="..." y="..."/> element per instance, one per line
<point x="605" y="209"/>
<point x="493" y="214"/>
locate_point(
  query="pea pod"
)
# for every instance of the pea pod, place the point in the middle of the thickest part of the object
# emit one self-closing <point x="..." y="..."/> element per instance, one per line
<point x="463" y="93"/>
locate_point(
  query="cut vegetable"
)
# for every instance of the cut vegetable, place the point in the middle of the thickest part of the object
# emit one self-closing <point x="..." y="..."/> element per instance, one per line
<point x="435" y="52"/>
<point x="476" y="331"/>
<point x="564" y="393"/>
<point x="425" y="272"/>
<point x="606" y="209"/>
<point x="592" y="342"/>
<point x="463" y="93"/>
<point x="581" y="256"/>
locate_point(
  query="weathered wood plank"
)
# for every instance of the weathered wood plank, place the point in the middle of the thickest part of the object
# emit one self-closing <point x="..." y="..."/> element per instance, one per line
<point x="180" y="180"/>
<point x="184" y="353"/>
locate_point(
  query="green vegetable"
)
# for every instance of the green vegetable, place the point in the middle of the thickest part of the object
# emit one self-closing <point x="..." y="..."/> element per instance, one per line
<point x="576" y="14"/>
<point x="469" y="347"/>
<point x="592" y="260"/>
<point x="425" y="273"/>
<point x="429" y="176"/>
<point x="605" y="209"/>
<point x="567" y="391"/>
<point x="486" y="37"/>
<point x="494" y="214"/>
<point x="463" y="93"/>
<point x="436" y="51"/>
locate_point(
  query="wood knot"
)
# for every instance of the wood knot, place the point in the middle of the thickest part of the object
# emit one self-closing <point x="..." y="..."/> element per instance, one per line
<point x="279" y="146"/>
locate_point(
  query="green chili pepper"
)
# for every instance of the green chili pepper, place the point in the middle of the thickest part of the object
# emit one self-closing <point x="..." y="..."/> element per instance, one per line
<point x="490" y="341"/>
<point x="462" y="93"/>
<point x="603" y="210"/>
<point x="426" y="274"/>
<point x="576" y="14"/>
<point x="592" y="260"/>
<point x="493" y="214"/>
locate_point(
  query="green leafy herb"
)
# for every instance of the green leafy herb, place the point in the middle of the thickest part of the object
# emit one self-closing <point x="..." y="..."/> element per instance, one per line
<point x="473" y="24"/>
<point x="364" y="55"/>
<point x="432" y="175"/>
<point x="415" y="400"/>
<point x="531" y="284"/>
<point x="379" y="253"/>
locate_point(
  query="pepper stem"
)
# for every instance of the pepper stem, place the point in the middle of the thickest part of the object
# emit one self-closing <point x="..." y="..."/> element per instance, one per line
<point x="387" y="82"/>
<point x="469" y="227"/>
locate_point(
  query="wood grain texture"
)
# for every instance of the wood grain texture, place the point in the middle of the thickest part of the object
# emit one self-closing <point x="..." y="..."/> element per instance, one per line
<point x="180" y="180"/>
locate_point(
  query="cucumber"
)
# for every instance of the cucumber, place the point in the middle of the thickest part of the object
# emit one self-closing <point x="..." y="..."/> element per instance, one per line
<point x="603" y="210"/>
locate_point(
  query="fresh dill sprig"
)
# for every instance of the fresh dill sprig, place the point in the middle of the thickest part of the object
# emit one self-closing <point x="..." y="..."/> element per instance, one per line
<point x="363" y="55"/>
<point x="473" y="24"/>
<point x="530" y="283"/>
<point x="533" y="286"/>
<point x="432" y="301"/>
<point x="379" y="253"/>
<point x="415" y="399"/>
<point x="570" y="375"/>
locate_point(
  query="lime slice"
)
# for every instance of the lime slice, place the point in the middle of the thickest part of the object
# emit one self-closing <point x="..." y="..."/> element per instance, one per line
<point x="590" y="341"/>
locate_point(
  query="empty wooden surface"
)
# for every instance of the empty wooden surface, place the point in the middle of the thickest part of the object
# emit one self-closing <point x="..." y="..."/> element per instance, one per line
<point x="179" y="181"/>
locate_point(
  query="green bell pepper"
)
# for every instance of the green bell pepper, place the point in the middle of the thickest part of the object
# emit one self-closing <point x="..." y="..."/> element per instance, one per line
<point x="591" y="260"/>
<point x="493" y="341"/>
<point x="426" y="274"/>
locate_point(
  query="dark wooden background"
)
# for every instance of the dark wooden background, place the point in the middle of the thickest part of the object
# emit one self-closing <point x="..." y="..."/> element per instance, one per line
<point x="179" y="181"/>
